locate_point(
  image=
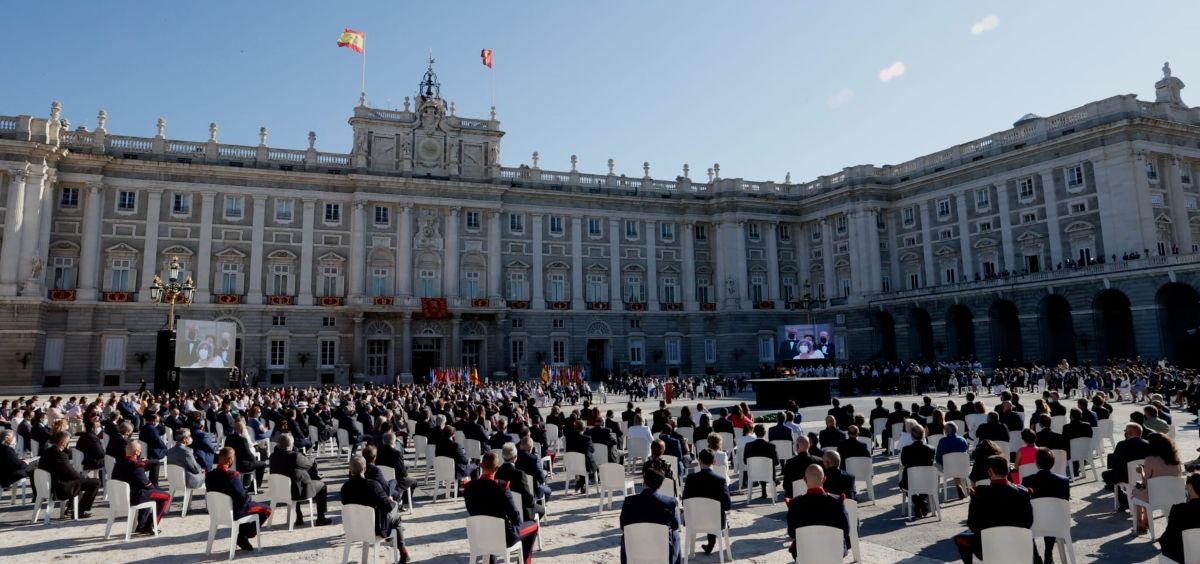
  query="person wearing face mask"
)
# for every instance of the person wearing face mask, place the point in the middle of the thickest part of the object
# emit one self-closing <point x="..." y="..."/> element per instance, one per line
<point x="88" y="442"/>
<point x="808" y="352"/>
<point x="205" y="357"/>
<point x="182" y="455"/>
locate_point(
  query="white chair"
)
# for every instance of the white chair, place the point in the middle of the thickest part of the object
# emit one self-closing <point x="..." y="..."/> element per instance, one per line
<point x="600" y="453"/>
<point x="359" y="523"/>
<point x="703" y="517"/>
<point x="35" y="448"/>
<point x="933" y="440"/>
<point x="109" y="462"/>
<point x="1191" y="545"/>
<point x="77" y="460"/>
<point x="864" y="471"/>
<point x="420" y="443"/>
<point x="759" y="469"/>
<point x="430" y="455"/>
<point x="1026" y="470"/>
<point x="1052" y="518"/>
<point x="574" y="466"/>
<point x="999" y="543"/>
<point x="672" y="462"/>
<point x="1081" y="452"/>
<point x="443" y="473"/>
<point x="1126" y="486"/>
<point x="474" y="449"/>
<point x="1057" y="423"/>
<point x="22" y="484"/>
<point x="220" y="514"/>
<point x="955" y="466"/>
<point x="1060" y="462"/>
<point x="552" y="435"/>
<point x="819" y="544"/>
<point x="118" y="504"/>
<point x="783" y="449"/>
<point x="923" y="480"/>
<point x="646" y="543"/>
<point x="639" y="449"/>
<point x="877" y="426"/>
<point x="1004" y="446"/>
<point x="485" y="535"/>
<point x="1162" y="493"/>
<point x="612" y="478"/>
<point x="41" y="483"/>
<point x="177" y="482"/>
<point x="728" y="441"/>
<point x="973" y="421"/>
<point x="279" y="492"/>
<point x="343" y="438"/>
<point x="314" y="434"/>
<point x="852" y="520"/>
<point x="1105" y="430"/>
<point x="1015" y="442"/>
<point x="389" y="473"/>
<point x="897" y="431"/>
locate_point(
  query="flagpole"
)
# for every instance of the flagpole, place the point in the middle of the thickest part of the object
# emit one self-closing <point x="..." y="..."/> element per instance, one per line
<point x="364" y="70"/>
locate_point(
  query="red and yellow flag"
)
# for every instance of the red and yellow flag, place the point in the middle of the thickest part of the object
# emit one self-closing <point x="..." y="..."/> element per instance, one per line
<point x="486" y="55"/>
<point x="355" y="40"/>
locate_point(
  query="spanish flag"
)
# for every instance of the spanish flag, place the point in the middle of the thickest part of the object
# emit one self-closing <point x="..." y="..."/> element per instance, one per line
<point x="355" y="40"/>
<point x="475" y="375"/>
<point x="545" y="374"/>
<point x="486" y="55"/>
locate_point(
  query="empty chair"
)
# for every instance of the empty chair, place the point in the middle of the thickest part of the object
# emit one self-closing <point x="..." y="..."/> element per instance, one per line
<point x="177" y="482"/>
<point x="727" y="440"/>
<point x="1052" y="518"/>
<point x="1081" y="452"/>
<point x="109" y="462"/>
<point x="1060" y="462"/>
<point x="220" y="514"/>
<point x="759" y="469"/>
<point x="1026" y="470"/>
<point x="703" y="517"/>
<point x="600" y="453"/>
<point x="955" y="466"/>
<point x="852" y="519"/>
<point x="552" y="435"/>
<point x="279" y="490"/>
<point x="430" y="455"/>
<point x="1105" y="431"/>
<point x="897" y="430"/>
<point x="612" y="478"/>
<point x="819" y="544"/>
<point x="999" y="542"/>
<point x="646" y="543"/>
<point x="118" y="504"/>
<point x="474" y="449"/>
<point x="877" y="426"/>
<point x="672" y="462"/>
<point x="574" y="466"/>
<point x="1057" y="423"/>
<point x="923" y="480"/>
<point x="420" y="442"/>
<point x="485" y="535"/>
<point x="41" y="483"/>
<point x="343" y="438"/>
<point x="21" y="484"/>
<point x="443" y="477"/>
<point x="1014" y="442"/>
<point x="1162" y="492"/>
<point x="639" y="449"/>
<point x="1004" y="446"/>
<point x="1191" y="545"/>
<point x="864" y="471"/>
<point x="359" y="522"/>
<point x="933" y="440"/>
<point x="77" y="460"/>
<point x="783" y="449"/>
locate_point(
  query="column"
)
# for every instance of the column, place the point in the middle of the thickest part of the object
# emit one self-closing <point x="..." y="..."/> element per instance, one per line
<point x="854" y="242"/>
<point x="89" y="251"/>
<point x="875" y="270"/>
<point x="1179" y="212"/>
<point x="455" y="341"/>
<point x="10" y="250"/>
<point x="501" y="354"/>
<point x="931" y="278"/>
<point x="537" y="275"/>
<point x="1052" y="229"/>
<point x="831" y="289"/>
<point x="360" y="354"/>
<point x="306" y="253"/>
<point x="150" y="246"/>
<point x="964" y="238"/>
<point x="689" y="267"/>
<point x="894" y="252"/>
<point x="450" y="268"/>
<point x="404" y="245"/>
<point x="495" y="267"/>
<point x="720" y="291"/>
<point x="254" y="291"/>
<point x="772" y="261"/>
<point x="651" y="265"/>
<point x="802" y="239"/>
<point x="46" y="220"/>
<point x="1006" y="228"/>
<point x="740" y="263"/>
<point x="577" y="263"/>
<point x="614" y="263"/>
<point x="358" y="252"/>
<point x="406" y="346"/>
<point x="204" y="261"/>
<point x="30" y="237"/>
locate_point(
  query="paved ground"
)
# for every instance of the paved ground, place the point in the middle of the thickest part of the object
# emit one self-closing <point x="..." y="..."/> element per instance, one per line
<point x="575" y="530"/>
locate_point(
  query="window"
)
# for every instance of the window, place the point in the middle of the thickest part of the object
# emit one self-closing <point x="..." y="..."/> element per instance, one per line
<point x="69" y="198"/>
<point x="1189" y="203"/>
<point x="328" y="321"/>
<point x="757" y="291"/>
<point x="283" y="210"/>
<point x="945" y="234"/>
<point x="556" y="225"/>
<point x="381" y="282"/>
<point x="518" y="323"/>
<point x="816" y="235"/>
<point x="1025" y="188"/>
<point x="1151" y="171"/>
<point x="229" y="278"/>
<point x="278" y="321"/>
<point x="558" y="287"/>
<point x="597" y="288"/>
<point x="673" y="350"/>
<point x="517" y="352"/>
<point x="516" y="286"/>
<point x="120" y="275"/>
<point x="667" y="231"/>
<point x="280" y="279"/>
<point x="635" y="323"/>
<point x="54" y="354"/>
<point x="785" y="232"/>
<point x="637" y="351"/>
<point x="943" y="208"/>
<point x="333" y="213"/>
<point x="558" y="351"/>
<point x="327" y="353"/>
<point x="382" y="216"/>
<point x="703" y="289"/>
<point x="631" y="229"/>
<point x="983" y="200"/>
<point x="908" y="216"/>
<point x="1185" y="178"/>
<point x="887" y="283"/>
<point x="841" y="224"/>
<point x="845" y="287"/>
<point x="700" y="232"/>
<point x="113" y="355"/>
<point x="1157" y="199"/>
<point x="516" y="223"/>
<point x="595" y="227"/>
<point x="558" y="323"/>
<point x="427" y="283"/>
<point x="181" y="204"/>
<point x="633" y="289"/>
<point x="910" y="241"/>
<point x="126" y="201"/>
<point x="1029" y="217"/>
<point x="766" y="348"/>
<point x="752" y="231"/>
<point x="914" y="281"/>
<point x="670" y="290"/>
<point x="234" y="207"/>
<point x="471" y="285"/>
<point x="790" y="290"/>
<point x="989" y="268"/>
<point x="1079" y="208"/>
<point x="985" y="226"/>
<point x="63" y="273"/>
<point x="820" y="289"/>
<point x="951" y="275"/>
<point x="278" y="354"/>
<point x="710" y="351"/>
<point x="473" y="221"/>
<point x="1074" y="176"/>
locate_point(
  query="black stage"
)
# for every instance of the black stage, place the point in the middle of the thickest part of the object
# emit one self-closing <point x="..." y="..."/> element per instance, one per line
<point x="774" y="393"/>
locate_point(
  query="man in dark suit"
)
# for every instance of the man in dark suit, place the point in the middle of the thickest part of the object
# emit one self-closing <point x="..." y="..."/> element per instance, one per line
<point x="224" y="419"/>
<point x="391" y="456"/>
<point x="132" y="471"/>
<point x="225" y="480"/>
<point x="501" y="436"/>
<point x="117" y="442"/>
<point x="649" y="506"/>
<point x="528" y="463"/>
<point x="611" y="424"/>
<point x="346" y="419"/>
<point x="676" y="446"/>
<point x="879" y="412"/>
<point x="1046" y="484"/>
<point x="359" y="490"/>
<point x="722" y="424"/>
<point x="837" y="481"/>
<point x="896" y="416"/>
<point x="373" y="472"/>
<point x="306" y="482"/>
<point x="1076" y="428"/>
<point x="992" y="430"/>
<point x="156" y="448"/>
<point x="998" y="504"/>
<point x="88" y="442"/>
<point x="243" y="452"/>
<point x="1046" y="437"/>
<point x="447" y="447"/>
<point x="487" y="495"/>
<point x="817" y="507"/>
<point x="602" y="435"/>
<point x="794" y="468"/>
<point x="852" y="447"/>
<point x="12" y="468"/>
<point x="779" y="431"/>
<point x="1134" y="447"/>
<point x="659" y="418"/>
<point x="911" y="456"/>
<point x="65" y="482"/>
<point x="831" y="436"/>
<point x="577" y="441"/>
<point x="202" y="443"/>
<point x="516" y="479"/>
<point x="761" y="448"/>
<point x="1183" y="516"/>
<point x="706" y="483"/>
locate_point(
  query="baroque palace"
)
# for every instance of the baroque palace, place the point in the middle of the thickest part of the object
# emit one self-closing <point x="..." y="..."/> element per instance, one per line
<point x="1074" y="236"/>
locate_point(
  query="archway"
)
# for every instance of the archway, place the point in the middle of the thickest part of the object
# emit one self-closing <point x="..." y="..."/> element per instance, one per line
<point x="920" y="335"/>
<point x="960" y="332"/>
<point x="1005" y="326"/>
<point x="1114" y="325"/>
<point x="885" y="336"/>
<point x="1178" y="313"/>
<point x="1056" y="330"/>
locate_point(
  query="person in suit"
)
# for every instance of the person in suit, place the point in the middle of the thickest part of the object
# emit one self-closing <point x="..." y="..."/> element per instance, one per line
<point x="794" y="468"/>
<point x="817" y="507"/>
<point x="374" y="473"/>
<point x="789" y="348"/>
<point x="346" y="419"/>
<point x="993" y="430"/>
<point x="613" y="425"/>
<point x="1183" y="516"/>
<point x="225" y="480"/>
<point x="577" y="441"/>
<point x="707" y="484"/>
<point x="1133" y="447"/>
<point x="952" y="443"/>
<point x="722" y="424"/>
<point x="156" y="449"/>
<point x="88" y="442"/>
<point x="65" y="482"/>
<point x="390" y="455"/>
<point x="675" y="446"/>
<point x="911" y="456"/>
<point x="202" y="445"/>
<point x="515" y="478"/>
<point x="759" y="447"/>
<point x="852" y="447"/>
<point x="1045" y="483"/>
<point x="899" y="415"/>
<point x="649" y="506"/>
<point x="306" y="481"/>
<point x="1076" y="428"/>
<point x="831" y="436"/>
<point x="243" y="452"/>
<point x="602" y="435"/>
<point x="117" y="442"/>
<point x="998" y="504"/>
<point x="132" y="471"/>
<point x="181" y="455"/>
<point x="1046" y="437"/>
<point x="487" y="495"/>
<point x="463" y="469"/>
<point x="529" y="463"/>
<point x="502" y="436"/>
<point x="359" y="490"/>
<point x="779" y="431"/>
<point x="12" y="468"/>
<point x="837" y="481"/>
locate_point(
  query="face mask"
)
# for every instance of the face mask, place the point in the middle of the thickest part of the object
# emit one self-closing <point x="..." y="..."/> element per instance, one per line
<point x="203" y="354"/>
<point x="803" y="348"/>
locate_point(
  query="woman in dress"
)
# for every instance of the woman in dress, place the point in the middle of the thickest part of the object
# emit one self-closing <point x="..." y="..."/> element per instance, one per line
<point x="1163" y="460"/>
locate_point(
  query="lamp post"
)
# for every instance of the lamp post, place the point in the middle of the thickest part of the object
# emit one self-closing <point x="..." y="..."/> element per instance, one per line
<point x="172" y="291"/>
<point x="808" y="302"/>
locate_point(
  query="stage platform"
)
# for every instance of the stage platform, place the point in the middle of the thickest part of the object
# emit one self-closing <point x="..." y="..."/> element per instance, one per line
<point x="774" y="393"/>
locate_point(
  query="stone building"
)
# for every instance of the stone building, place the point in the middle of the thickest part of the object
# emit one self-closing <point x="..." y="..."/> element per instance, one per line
<point x="1070" y="236"/>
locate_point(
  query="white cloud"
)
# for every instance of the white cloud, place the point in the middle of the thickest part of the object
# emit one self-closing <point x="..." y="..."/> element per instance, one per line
<point x="895" y="70"/>
<point x="988" y="23"/>
<point x="840" y="98"/>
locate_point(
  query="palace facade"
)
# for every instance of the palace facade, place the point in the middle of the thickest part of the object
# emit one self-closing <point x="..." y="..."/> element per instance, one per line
<point x="1074" y="236"/>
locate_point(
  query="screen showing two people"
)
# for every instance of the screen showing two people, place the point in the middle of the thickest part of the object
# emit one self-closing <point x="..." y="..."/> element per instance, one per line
<point x="798" y="343"/>
<point x="205" y="344"/>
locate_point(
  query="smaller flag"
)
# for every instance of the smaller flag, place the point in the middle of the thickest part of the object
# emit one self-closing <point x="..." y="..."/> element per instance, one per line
<point x="432" y="376"/>
<point x="545" y="375"/>
<point x="355" y="40"/>
<point x="475" y="375"/>
<point x="486" y="55"/>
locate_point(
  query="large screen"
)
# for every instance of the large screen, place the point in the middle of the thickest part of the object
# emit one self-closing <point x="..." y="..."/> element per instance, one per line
<point x="805" y="342"/>
<point x="205" y="344"/>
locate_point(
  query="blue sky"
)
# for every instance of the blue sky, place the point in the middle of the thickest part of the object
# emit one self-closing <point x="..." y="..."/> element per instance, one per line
<point x="763" y="88"/>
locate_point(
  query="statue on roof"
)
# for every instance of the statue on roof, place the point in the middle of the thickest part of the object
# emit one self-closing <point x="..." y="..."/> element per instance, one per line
<point x="1166" y="69"/>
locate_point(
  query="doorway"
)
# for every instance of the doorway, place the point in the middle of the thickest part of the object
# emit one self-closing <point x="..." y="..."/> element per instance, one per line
<point x="378" y="359"/>
<point x="472" y="354"/>
<point x="427" y="354"/>
<point x="599" y="359"/>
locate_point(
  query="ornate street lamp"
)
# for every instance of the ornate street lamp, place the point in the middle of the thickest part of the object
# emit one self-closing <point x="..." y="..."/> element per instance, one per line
<point x="808" y="302"/>
<point x="172" y="291"/>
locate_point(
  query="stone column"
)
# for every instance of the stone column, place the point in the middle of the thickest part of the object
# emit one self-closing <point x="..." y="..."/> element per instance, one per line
<point x="1006" y="228"/>
<point x="740" y="264"/>
<point x="360" y="347"/>
<point x="455" y="341"/>
<point x="451" y="267"/>
<point x="358" y="252"/>
<point x="254" y="292"/>
<point x="720" y="291"/>
<point x="615" y="298"/>
<point x="831" y="287"/>
<point x="35" y="192"/>
<point x="305" y="289"/>
<point x="406" y="345"/>
<point x="689" y="267"/>
<point x="875" y="270"/>
<point x="894" y="252"/>
<point x="931" y="278"/>
<point x="964" y="238"/>
<point x="47" y="219"/>
<point x="854" y="245"/>
<point x="536" y="275"/>
<point x="404" y="245"/>
<point x="150" y="244"/>
<point x="577" y="263"/>
<point x="89" y="251"/>
<point x="10" y="250"/>
<point x="651" y="265"/>
<point x="204" y="260"/>
<point x="1052" y="229"/>
<point x="501" y="354"/>
<point x="1179" y="211"/>
<point x="495" y="266"/>
<point x="803" y="256"/>
<point x="773" y="261"/>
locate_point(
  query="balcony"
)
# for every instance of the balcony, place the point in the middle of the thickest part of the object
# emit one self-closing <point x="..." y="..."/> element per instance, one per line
<point x="331" y="301"/>
<point x="708" y="306"/>
<point x="281" y="300"/>
<point x="383" y="300"/>
<point x="559" y="306"/>
<point x="518" y="304"/>
<point x="635" y="306"/>
<point x="599" y="306"/>
<point x="116" y="297"/>
<point x="480" y="302"/>
<point x="764" y="304"/>
<point x="671" y="306"/>
<point x="227" y="299"/>
<point x="62" y="295"/>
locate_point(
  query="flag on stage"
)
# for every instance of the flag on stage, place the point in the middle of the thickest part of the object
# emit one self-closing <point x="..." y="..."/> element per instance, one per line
<point x="475" y="375"/>
<point x="432" y="376"/>
<point x="545" y="374"/>
<point x="355" y="40"/>
<point x="486" y="55"/>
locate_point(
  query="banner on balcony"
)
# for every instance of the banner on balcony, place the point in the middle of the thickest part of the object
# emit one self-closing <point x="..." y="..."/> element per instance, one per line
<point x="433" y="308"/>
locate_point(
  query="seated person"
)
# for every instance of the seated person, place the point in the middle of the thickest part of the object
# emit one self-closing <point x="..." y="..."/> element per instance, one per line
<point x="224" y="479"/>
<point x="12" y="468"/>
<point x="707" y="484"/>
<point x="65" y="481"/>
<point x="359" y="490"/>
<point x="998" y="504"/>
<point x="817" y="507"/>
<point x="306" y="481"/>
<point x="649" y="506"/>
<point x="1183" y="516"/>
<point x="837" y="481"/>
<point x="181" y="455"/>
<point x="488" y="496"/>
<point x="132" y="471"/>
